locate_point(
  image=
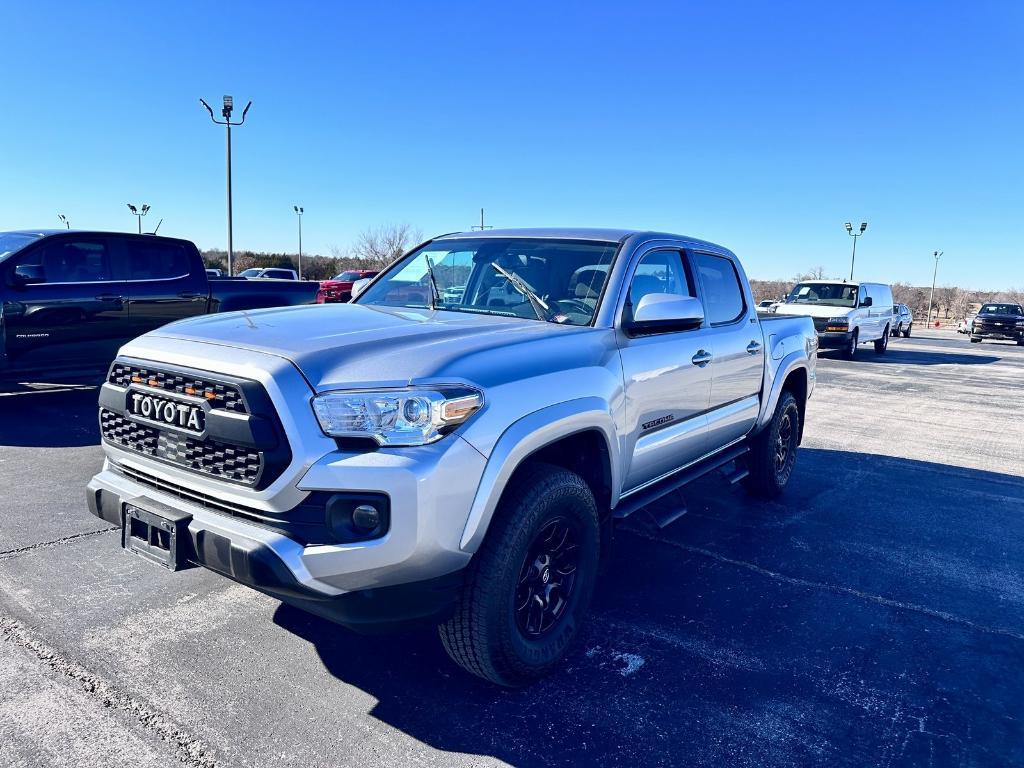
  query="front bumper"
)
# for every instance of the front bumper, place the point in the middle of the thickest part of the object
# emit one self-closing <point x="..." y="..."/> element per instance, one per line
<point x="409" y="573"/>
<point x="1004" y="334"/>
<point x="834" y="339"/>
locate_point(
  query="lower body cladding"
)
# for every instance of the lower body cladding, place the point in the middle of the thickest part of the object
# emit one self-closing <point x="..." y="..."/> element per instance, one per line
<point x="1008" y="334"/>
<point x="404" y="565"/>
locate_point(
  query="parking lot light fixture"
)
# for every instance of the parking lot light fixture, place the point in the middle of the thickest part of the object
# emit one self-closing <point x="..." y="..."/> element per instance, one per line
<point x="854" y="235"/>
<point x="138" y="213"/>
<point x="931" y="296"/>
<point x="298" y="214"/>
<point x="226" y="110"/>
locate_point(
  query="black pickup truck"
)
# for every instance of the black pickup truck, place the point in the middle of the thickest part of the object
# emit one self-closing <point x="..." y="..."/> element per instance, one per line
<point x="69" y="299"/>
<point x="999" y="321"/>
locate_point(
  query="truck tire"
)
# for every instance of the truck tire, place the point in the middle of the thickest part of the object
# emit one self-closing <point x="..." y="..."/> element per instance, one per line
<point x="975" y="339"/>
<point x="882" y="344"/>
<point x="850" y="351"/>
<point x="528" y="587"/>
<point x="773" y="450"/>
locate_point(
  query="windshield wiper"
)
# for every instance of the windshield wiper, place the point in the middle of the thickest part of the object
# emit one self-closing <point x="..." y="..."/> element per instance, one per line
<point x="520" y="285"/>
<point x="435" y="295"/>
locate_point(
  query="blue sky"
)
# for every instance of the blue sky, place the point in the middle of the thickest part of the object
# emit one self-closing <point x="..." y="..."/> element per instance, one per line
<point x="762" y="127"/>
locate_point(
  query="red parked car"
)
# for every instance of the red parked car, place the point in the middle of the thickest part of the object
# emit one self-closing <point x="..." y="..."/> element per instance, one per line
<point x="339" y="288"/>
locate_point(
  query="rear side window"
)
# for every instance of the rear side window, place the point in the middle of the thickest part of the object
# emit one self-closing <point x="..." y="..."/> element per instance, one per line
<point x="278" y="274"/>
<point x="71" y="261"/>
<point x="723" y="294"/>
<point x="156" y="260"/>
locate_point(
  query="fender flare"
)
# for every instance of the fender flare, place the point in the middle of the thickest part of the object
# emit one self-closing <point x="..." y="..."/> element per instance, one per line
<point x="523" y="438"/>
<point x="794" y="361"/>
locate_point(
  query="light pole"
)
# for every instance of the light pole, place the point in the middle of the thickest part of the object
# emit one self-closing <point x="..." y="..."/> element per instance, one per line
<point x="482" y="226"/>
<point x="138" y="213"/>
<point x="63" y="218"/>
<point x="854" y="235"/>
<point x="937" y="255"/>
<point x="229" y="104"/>
<point x="298" y="215"/>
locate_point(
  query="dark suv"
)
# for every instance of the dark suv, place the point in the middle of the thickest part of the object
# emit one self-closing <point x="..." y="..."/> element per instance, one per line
<point x="999" y="321"/>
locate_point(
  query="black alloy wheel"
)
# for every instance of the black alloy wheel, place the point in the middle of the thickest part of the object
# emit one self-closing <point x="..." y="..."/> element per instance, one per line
<point x="547" y="578"/>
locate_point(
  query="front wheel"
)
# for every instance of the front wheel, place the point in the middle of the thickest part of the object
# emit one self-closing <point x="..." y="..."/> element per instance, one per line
<point x="529" y="585"/>
<point x="882" y="343"/>
<point x="906" y="333"/>
<point x="850" y="351"/>
<point x="896" y="331"/>
<point x="773" y="450"/>
<point x="975" y="339"/>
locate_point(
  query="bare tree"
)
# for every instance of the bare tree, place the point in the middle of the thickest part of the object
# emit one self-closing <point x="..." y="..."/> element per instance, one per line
<point x="379" y="246"/>
<point x="944" y="298"/>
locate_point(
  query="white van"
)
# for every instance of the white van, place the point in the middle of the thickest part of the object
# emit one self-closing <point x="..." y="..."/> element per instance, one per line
<point x="845" y="314"/>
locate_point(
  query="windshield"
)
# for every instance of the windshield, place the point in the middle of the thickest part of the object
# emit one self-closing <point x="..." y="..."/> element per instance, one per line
<point x="557" y="281"/>
<point x="348" y="276"/>
<point x="1000" y="309"/>
<point x="14" y="241"/>
<point x="825" y="294"/>
<point x="254" y="272"/>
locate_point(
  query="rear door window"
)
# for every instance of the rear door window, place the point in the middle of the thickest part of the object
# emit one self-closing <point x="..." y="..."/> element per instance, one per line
<point x="157" y="260"/>
<point x="723" y="293"/>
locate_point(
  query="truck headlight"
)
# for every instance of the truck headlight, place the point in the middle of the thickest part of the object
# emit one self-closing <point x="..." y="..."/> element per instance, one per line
<point x="399" y="417"/>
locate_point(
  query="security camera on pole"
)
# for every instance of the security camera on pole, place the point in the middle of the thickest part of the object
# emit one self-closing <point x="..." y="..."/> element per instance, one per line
<point x="229" y="104"/>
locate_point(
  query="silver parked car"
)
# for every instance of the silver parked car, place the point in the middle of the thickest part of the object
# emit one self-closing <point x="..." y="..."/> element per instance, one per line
<point x="902" y="320"/>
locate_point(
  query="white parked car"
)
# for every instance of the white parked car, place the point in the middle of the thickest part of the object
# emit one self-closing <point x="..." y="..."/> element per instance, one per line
<point x="845" y="314"/>
<point x="269" y="273"/>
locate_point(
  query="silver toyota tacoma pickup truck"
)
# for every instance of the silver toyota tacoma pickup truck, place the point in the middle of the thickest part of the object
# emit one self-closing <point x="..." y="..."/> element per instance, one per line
<point x="455" y="445"/>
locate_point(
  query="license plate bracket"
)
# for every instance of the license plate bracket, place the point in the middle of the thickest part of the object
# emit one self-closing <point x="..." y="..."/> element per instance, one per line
<point x="159" y="536"/>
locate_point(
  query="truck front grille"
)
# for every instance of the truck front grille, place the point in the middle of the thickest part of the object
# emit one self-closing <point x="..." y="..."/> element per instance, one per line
<point x="218" y="394"/>
<point x="225" y="461"/>
<point x="820" y="323"/>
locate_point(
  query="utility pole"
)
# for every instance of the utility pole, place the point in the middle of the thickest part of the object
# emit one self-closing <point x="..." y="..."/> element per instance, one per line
<point x="482" y="226"/>
<point x="63" y="218"/>
<point x="854" y="235"/>
<point x="229" y="104"/>
<point x="931" y="296"/>
<point x="138" y="213"/>
<point x="298" y="214"/>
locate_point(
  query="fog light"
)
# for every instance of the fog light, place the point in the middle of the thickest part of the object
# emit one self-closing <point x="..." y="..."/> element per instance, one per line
<point x="365" y="517"/>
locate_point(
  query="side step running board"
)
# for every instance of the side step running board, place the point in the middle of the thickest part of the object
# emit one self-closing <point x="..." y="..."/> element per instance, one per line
<point x="677" y="480"/>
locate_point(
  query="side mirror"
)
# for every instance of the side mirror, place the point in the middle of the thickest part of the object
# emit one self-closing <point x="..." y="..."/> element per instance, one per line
<point x="664" y="312"/>
<point x="867" y="302"/>
<point x="359" y="285"/>
<point x="29" y="274"/>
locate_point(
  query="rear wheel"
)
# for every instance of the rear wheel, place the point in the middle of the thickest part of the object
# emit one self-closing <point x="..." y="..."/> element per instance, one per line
<point x="850" y="351"/>
<point x="528" y="587"/>
<point x="882" y="343"/>
<point x="773" y="451"/>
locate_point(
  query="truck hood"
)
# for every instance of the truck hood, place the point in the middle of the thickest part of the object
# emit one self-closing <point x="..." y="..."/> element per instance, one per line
<point x="812" y="310"/>
<point x="352" y="345"/>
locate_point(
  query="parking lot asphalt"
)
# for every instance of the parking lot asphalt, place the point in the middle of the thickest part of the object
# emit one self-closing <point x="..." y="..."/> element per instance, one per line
<point x="873" y="616"/>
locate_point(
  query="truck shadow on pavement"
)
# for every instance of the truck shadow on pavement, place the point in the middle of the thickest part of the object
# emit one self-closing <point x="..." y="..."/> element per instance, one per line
<point x="873" y="615"/>
<point x="914" y="357"/>
<point x="57" y="416"/>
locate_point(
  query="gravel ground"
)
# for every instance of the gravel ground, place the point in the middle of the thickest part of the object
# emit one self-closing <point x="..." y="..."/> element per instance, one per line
<point x="874" y="616"/>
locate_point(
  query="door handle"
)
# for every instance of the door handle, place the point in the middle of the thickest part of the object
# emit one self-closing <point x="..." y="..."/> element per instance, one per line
<point x="753" y="347"/>
<point x="702" y="358"/>
<point x="187" y="295"/>
<point x="109" y="297"/>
